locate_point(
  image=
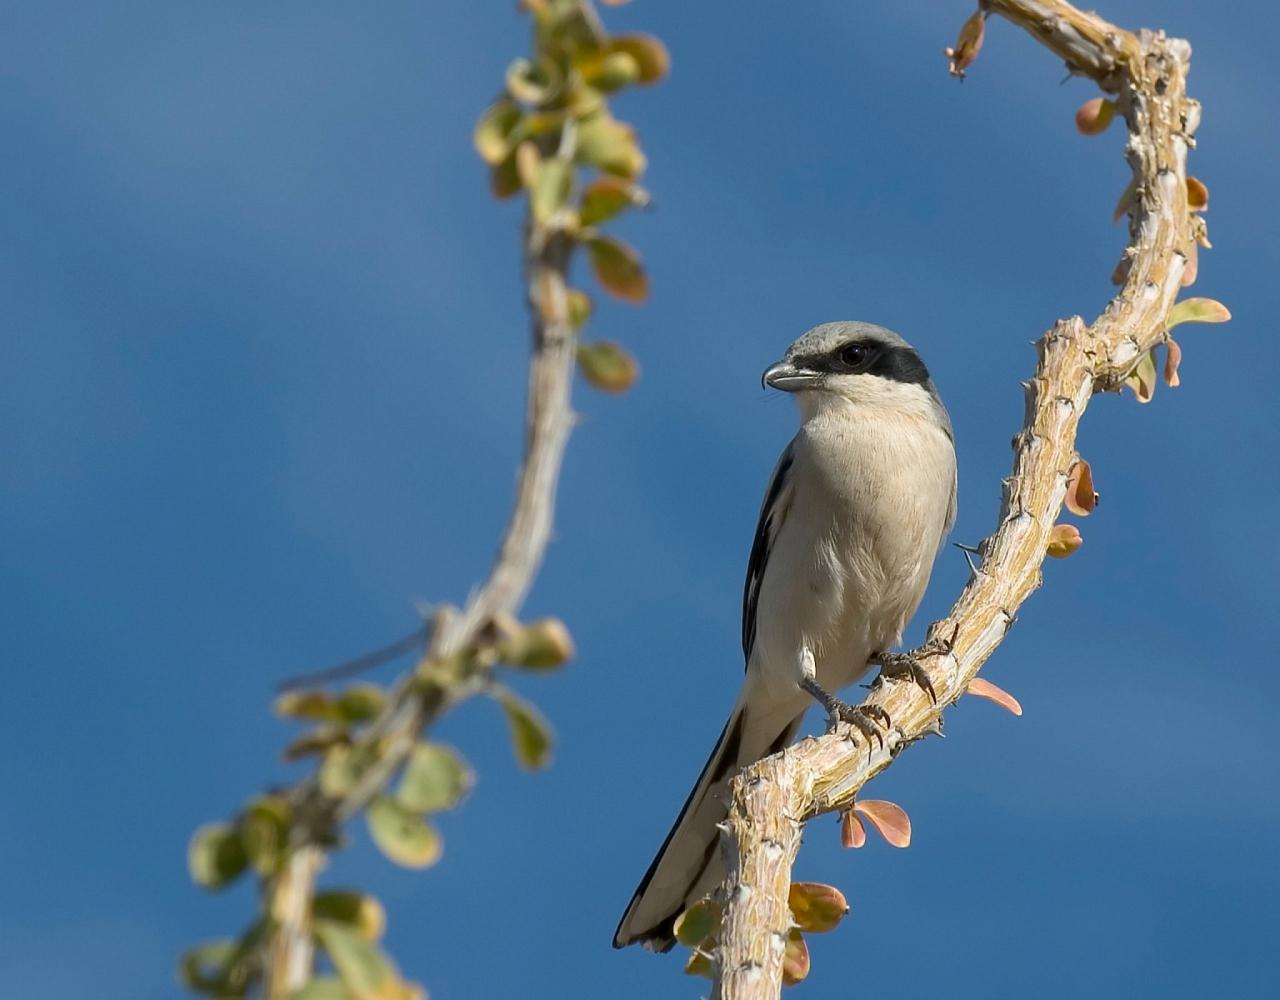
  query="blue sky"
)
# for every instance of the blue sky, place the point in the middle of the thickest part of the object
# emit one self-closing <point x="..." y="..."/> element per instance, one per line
<point x="264" y="356"/>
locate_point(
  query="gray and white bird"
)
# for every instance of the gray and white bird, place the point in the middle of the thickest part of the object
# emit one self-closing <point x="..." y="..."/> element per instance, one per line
<point x="854" y="516"/>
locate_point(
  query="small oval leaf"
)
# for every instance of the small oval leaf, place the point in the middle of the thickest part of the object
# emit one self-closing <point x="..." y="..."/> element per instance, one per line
<point x="618" y="269"/>
<point x="610" y="71"/>
<point x="435" y="778"/>
<point x="361" y="702"/>
<point x="652" y="59"/>
<point x="541" y="645"/>
<point x="504" y="178"/>
<point x="697" y="923"/>
<point x="606" y="197"/>
<point x="1081" y="497"/>
<point x="357" y="910"/>
<point x="403" y="836"/>
<point x="1192" y="270"/>
<point x="968" y="45"/>
<point x="1172" y="360"/>
<point x="534" y="82"/>
<point x="1197" y="311"/>
<point x="1094" y="116"/>
<point x="609" y="144"/>
<point x="1197" y="195"/>
<point x="700" y="965"/>
<point x="817" y="908"/>
<point x="340" y="771"/>
<point x="795" y="961"/>
<point x="1142" y="380"/>
<point x="530" y="733"/>
<point x="1063" y="540"/>
<point x="607" y="366"/>
<point x="852" y="832"/>
<point x="551" y="187"/>
<point x="983" y="688"/>
<point x="216" y="855"/>
<point x="361" y="966"/>
<point x="316" y="706"/>
<point x="495" y="133"/>
<point x="264" y="833"/>
<point x="889" y="819"/>
<point x="579" y="307"/>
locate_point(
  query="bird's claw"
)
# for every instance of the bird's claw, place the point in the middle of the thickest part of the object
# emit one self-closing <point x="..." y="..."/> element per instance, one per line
<point x="863" y="719"/>
<point x="906" y="667"/>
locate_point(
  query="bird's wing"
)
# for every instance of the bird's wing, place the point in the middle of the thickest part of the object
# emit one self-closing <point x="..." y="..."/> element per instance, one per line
<point x="773" y="512"/>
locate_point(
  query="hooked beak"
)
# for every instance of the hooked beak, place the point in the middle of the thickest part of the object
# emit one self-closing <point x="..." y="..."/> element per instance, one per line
<point x="787" y="377"/>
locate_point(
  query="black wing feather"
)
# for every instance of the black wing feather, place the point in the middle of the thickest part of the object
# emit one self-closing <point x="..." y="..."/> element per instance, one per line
<point x="772" y="512"/>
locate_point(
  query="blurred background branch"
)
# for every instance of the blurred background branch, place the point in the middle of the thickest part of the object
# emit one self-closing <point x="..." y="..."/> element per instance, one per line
<point x="547" y="132"/>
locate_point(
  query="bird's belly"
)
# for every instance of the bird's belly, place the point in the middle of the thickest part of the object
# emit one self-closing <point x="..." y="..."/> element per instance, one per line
<point x="840" y="599"/>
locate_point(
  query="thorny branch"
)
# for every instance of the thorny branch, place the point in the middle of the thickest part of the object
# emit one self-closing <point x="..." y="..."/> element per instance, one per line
<point x="1146" y="74"/>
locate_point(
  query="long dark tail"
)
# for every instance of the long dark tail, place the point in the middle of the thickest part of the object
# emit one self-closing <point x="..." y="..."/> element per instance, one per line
<point x="688" y="865"/>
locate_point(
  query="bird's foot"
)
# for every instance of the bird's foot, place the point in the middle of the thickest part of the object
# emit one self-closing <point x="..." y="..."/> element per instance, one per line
<point x="906" y="666"/>
<point x="862" y="717"/>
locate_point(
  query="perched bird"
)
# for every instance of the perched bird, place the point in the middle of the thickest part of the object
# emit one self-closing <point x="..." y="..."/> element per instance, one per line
<point x="852" y="520"/>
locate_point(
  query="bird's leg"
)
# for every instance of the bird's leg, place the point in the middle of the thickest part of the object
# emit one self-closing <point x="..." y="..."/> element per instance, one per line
<point x="906" y="666"/>
<point x="858" y="716"/>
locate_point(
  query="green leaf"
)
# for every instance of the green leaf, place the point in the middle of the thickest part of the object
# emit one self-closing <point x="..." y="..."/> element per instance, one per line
<point x="607" y="365"/>
<point x="435" y="778"/>
<point x="651" y="56"/>
<point x="322" y="988"/>
<point x="340" y="771"/>
<point x="360" y="964"/>
<point x="618" y="269"/>
<point x="504" y="178"/>
<point x="541" y="645"/>
<point x="605" y="197"/>
<point x="216" y="855"/>
<point x="357" y="910"/>
<point x="816" y="907"/>
<point x="314" y="705"/>
<point x="495" y="134"/>
<point x="403" y="836"/>
<point x="1142" y="380"/>
<point x="609" y="71"/>
<point x="530" y="733"/>
<point x="1198" y="311"/>
<point x="361" y="702"/>
<point x="700" y="965"/>
<point x="550" y="188"/>
<point x="264" y="832"/>
<point x="533" y="82"/>
<point x="579" y="307"/>
<point x="607" y="143"/>
<point x="697" y="923"/>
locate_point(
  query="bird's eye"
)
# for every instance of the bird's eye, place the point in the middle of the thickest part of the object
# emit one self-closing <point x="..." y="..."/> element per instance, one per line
<point x="855" y="355"/>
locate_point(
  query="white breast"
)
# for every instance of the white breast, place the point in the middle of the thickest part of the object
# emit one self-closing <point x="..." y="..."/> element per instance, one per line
<point x="873" y="497"/>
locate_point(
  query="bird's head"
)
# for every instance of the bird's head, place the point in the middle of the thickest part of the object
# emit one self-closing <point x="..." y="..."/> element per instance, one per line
<point x="858" y="363"/>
